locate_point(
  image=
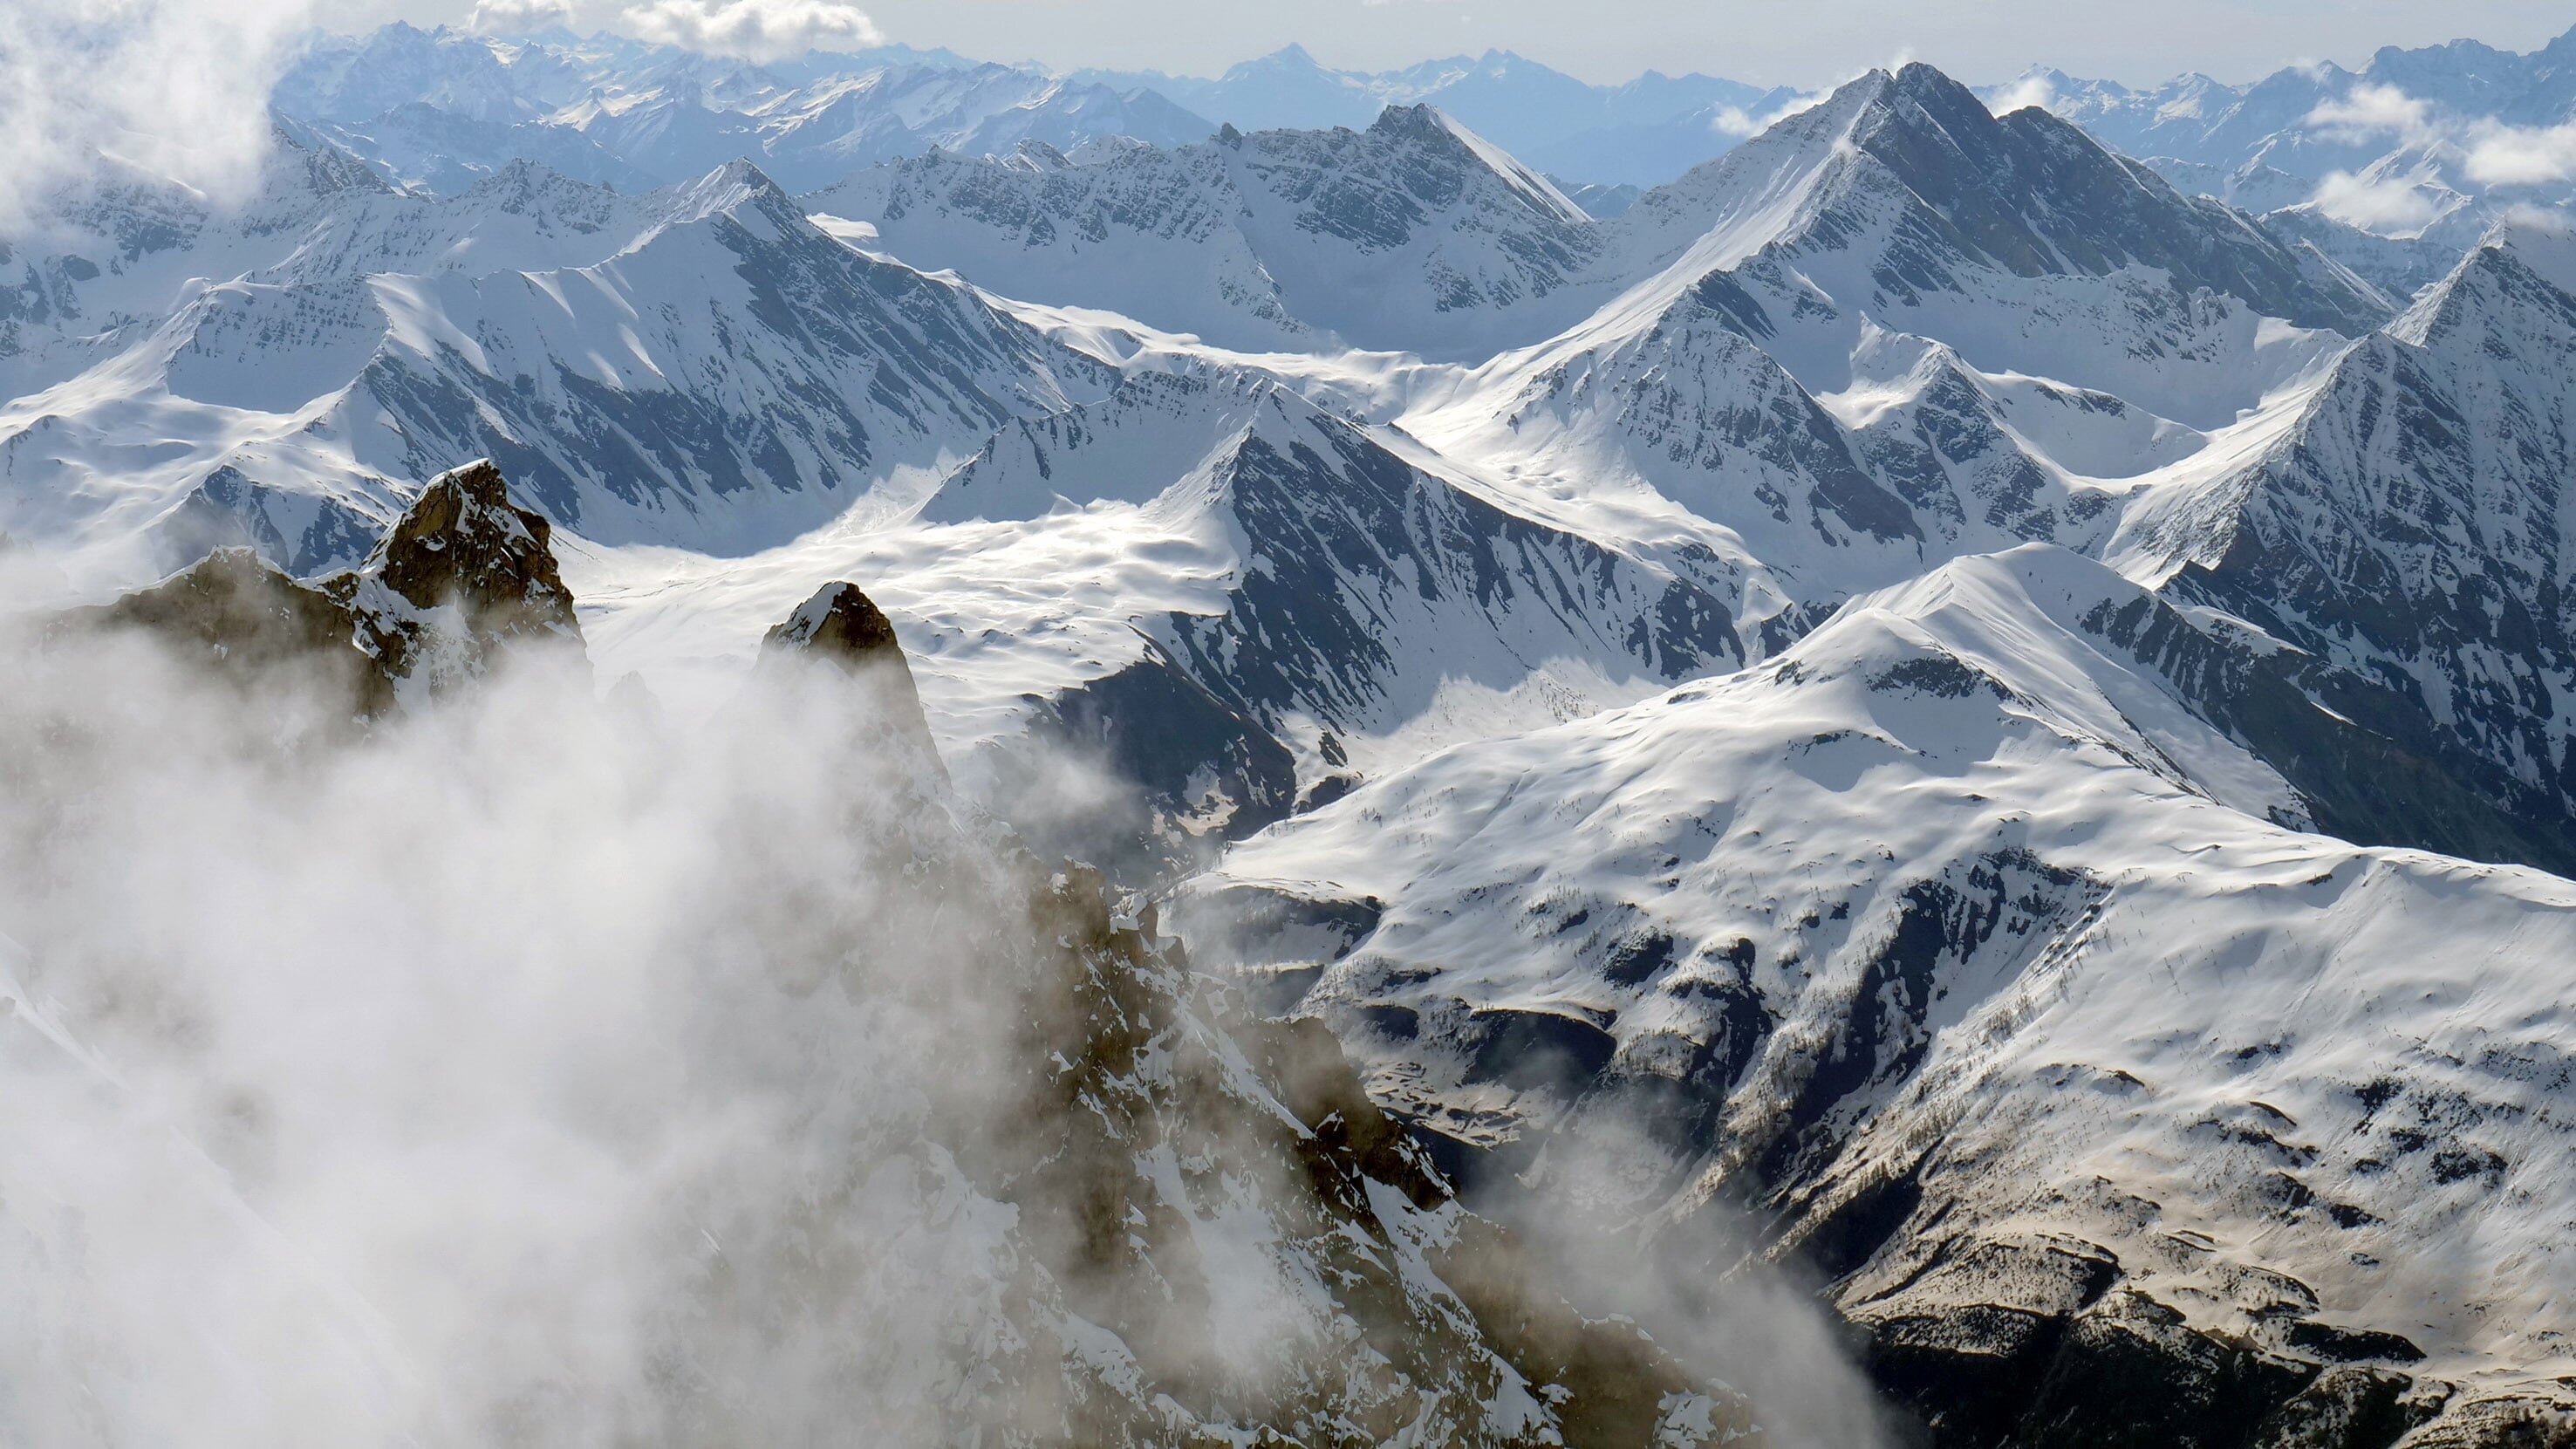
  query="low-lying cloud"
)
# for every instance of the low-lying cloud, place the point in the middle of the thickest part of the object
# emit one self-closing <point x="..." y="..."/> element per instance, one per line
<point x="176" y="88"/>
<point x="532" y="1071"/>
<point x="2373" y="204"/>
<point x="2488" y="152"/>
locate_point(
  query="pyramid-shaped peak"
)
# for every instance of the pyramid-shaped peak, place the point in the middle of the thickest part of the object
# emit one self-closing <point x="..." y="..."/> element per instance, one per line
<point x="1936" y="94"/>
<point x="1291" y="54"/>
<point x="2546" y="247"/>
<point x="465" y="542"/>
<point x="1421" y="119"/>
<point x="840" y="623"/>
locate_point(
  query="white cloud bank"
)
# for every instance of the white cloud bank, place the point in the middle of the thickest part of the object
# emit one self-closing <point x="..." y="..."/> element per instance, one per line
<point x="519" y="17"/>
<point x="178" y="88"/>
<point x="2491" y="152"/>
<point x="760" y="31"/>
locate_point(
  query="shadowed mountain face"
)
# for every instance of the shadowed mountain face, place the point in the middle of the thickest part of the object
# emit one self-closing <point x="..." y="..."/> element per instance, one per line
<point x="2032" y="194"/>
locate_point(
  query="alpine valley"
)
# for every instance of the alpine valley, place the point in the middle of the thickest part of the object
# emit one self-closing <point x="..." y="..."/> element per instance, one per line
<point x="971" y="754"/>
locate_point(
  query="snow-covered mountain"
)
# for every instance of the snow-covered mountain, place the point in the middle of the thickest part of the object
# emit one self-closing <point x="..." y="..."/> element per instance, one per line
<point x="1900" y="198"/>
<point x="2406" y="530"/>
<point x="1414" y="234"/>
<point x="1951" y="942"/>
<point x="699" y="365"/>
<point x="438" y="108"/>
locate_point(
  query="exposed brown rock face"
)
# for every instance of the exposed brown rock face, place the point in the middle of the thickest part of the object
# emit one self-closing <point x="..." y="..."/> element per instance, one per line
<point x="464" y="542"/>
<point x="238" y="614"/>
<point x="462" y="545"/>
<point x="461" y="575"/>
<point x="842" y="625"/>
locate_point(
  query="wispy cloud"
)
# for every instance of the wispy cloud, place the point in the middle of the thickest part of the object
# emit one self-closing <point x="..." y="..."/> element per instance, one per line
<point x="2502" y="155"/>
<point x="2373" y="110"/>
<point x="2492" y="152"/>
<point x="760" y="31"/>
<point x="2030" y="90"/>
<point x="1738" y="122"/>
<point x="177" y="87"/>
<point x="2375" y="204"/>
<point x="519" y="17"/>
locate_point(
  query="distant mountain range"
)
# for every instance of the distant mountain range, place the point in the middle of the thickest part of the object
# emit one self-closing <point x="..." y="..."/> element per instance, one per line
<point x="2391" y="170"/>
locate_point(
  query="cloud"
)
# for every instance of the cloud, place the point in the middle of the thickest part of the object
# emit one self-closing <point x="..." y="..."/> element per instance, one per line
<point x="176" y="87"/>
<point x="2375" y="205"/>
<point x="2502" y="155"/>
<point x="519" y="17"/>
<point x="2373" y="110"/>
<point x="2494" y="153"/>
<point x="2030" y="90"/>
<point x="1739" y="123"/>
<point x="760" y="31"/>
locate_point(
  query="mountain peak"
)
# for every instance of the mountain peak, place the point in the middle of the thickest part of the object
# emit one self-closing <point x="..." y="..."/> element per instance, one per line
<point x="1947" y="102"/>
<point x="464" y="543"/>
<point x="2547" y="248"/>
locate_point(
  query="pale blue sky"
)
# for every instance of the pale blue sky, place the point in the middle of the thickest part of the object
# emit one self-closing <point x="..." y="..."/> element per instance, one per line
<point x="1769" y="41"/>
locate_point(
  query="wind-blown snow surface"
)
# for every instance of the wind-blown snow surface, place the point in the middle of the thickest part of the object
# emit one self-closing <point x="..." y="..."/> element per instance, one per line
<point x="1954" y="908"/>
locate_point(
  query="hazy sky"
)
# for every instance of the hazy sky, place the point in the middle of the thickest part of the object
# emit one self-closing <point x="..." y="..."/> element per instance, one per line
<point x="1770" y="41"/>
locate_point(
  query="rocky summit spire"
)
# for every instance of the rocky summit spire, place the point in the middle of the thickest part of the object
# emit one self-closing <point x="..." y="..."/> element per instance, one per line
<point x="462" y="573"/>
<point x="841" y="625"/>
<point x="463" y="542"/>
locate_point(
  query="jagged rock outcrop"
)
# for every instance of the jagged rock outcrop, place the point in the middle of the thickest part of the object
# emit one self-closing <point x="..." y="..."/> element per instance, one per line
<point x="1157" y="1108"/>
<point x="462" y="577"/>
<point x="841" y="626"/>
<point x="246" y="620"/>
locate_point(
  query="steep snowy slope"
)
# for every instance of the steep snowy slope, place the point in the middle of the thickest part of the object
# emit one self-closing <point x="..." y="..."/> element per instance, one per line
<point x="1946" y="941"/>
<point x="1221" y="594"/>
<point x="2408" y="529"/>
<point x="1413" y="234"/>
<point x="697" y="366"/>
<point x="2016" y="240"/>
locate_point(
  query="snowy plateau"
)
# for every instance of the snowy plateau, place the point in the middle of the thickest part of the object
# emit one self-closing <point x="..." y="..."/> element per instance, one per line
<point x="889" y="749"/>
